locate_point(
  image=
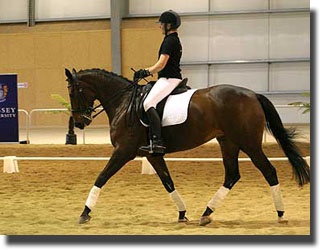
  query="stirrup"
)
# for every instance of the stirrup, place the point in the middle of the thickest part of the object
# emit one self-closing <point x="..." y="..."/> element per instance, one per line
<point x="147" y="148"/>
<point x="153" y="148"/>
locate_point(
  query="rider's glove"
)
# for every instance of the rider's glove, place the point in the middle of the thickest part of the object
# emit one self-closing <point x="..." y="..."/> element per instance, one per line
<point x="141" y="73"/>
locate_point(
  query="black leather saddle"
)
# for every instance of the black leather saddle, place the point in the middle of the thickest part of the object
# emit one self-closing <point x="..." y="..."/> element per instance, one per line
<point x="145" y="90"/>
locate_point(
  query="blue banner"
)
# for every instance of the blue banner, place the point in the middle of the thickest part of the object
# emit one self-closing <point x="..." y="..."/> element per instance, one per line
<point x="9" y="126"/>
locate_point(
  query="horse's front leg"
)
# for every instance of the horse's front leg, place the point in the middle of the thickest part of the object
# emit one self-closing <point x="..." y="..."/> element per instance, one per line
<point x="160" y="167"/>
<point x="118" y="159"/>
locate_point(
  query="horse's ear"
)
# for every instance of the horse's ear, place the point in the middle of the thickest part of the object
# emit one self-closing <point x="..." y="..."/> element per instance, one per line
<point x="68" y="74"/>
<point x="74" y="71"/>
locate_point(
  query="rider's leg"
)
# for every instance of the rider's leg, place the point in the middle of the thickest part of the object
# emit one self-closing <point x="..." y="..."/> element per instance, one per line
<point x="162" y="88"/>
<point x="156" y="144"/>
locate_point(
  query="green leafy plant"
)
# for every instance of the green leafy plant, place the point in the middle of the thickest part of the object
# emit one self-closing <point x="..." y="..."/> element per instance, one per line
<point x="303" y="105"/>
<point x="63" y="102"/>
<point x="71" y="137"/>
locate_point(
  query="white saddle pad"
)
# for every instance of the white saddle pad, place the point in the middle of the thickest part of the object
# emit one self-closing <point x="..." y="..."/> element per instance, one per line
<point x="176" y="108"/>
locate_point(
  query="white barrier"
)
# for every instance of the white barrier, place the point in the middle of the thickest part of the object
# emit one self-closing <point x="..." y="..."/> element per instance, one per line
<point x="10" y="164"/>
<point x="146" y="166"/>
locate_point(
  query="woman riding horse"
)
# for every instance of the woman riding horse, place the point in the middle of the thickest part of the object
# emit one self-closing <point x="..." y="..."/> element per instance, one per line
<point x="169" y="76"/>
<point x="238" y="125"/>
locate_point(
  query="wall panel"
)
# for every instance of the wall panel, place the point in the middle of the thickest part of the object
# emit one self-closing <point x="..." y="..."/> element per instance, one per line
<point x="230" y="5"/>
<point x="39" y="55"/>
<point x="75" y="49"/>
<point x="4" y="53"/>
<point x="12" y="10"/>
<point x="99" y="49"/>
<point x="290" y="76"/>
<point x="252" y="76"/>
<point x="290" y="35"/>
<point x="140" y="43"/>
<point x="21" y="51"/>
<point x="290" y="115"/>
<point x="282" y="4"/>
<point x="197" y="75"/>
<point x="51" y="9"/>
<point x="48" y="50"/>
<point x="194" y="38"/>
<point x="157" y="7"/>
<point x="239" y="37"/>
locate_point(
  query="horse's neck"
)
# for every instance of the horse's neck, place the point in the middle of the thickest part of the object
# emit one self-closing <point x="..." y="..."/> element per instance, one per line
<point x="112" y="97"/>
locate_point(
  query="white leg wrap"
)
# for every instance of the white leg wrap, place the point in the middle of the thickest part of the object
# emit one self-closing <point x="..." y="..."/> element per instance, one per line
<point x="93" y="197"/>
<point x="277" y="197"/>
<point x="219" y="196"/>
<point x="175" y="196"/>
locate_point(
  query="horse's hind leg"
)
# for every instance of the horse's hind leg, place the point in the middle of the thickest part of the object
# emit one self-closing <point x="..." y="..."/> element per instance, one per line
<point x="160" y="167"/>
<point x="270" y="174"/>
<point x="230" y="152"/>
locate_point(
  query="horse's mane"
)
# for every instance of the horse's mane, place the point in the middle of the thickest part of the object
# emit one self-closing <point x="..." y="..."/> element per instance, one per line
<point x="131" y="87"/>
<point x="104" y="73"/>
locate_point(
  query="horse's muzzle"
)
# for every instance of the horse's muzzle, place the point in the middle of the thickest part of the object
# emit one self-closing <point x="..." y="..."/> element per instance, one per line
<point x="79" y="125"/>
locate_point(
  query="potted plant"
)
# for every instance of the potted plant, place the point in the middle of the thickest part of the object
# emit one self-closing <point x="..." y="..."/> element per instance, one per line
<point x="303" y="105"/>
<point x="71" y="137"/>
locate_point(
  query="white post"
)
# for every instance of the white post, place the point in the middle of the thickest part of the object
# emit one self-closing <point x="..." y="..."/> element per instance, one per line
<point x="10" y="164"/>
<point x="147" y="167"/>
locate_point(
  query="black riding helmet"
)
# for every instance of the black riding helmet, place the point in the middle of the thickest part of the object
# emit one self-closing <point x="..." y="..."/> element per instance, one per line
<point x="171" y="17"/>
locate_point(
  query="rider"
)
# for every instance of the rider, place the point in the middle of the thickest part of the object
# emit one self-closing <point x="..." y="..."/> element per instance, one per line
<point x="169" y="76"/>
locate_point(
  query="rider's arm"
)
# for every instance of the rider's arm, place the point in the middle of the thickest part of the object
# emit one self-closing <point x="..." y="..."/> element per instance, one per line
<point x="160" y="64"/>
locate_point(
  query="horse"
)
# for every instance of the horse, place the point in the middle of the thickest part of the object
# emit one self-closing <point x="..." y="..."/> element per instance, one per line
<point x="234" y="115"/>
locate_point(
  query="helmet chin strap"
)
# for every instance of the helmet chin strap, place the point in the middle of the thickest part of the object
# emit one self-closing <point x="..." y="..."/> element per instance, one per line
<point x="166" y="29"/>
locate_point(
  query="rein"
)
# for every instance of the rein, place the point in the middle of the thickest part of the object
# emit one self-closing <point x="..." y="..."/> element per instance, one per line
<point x="94" y="110"/>
<point x="134" y="87"/>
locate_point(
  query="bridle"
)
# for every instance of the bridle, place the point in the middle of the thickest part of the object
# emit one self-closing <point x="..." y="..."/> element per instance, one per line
<point x="84" y="110"/>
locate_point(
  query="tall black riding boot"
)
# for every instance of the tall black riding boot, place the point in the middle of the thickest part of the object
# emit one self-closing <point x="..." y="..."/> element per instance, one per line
<point x="156" y="142"/>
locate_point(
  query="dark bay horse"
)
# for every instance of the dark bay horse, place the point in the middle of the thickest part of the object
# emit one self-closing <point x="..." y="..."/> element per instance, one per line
<point x="235" y="116"/>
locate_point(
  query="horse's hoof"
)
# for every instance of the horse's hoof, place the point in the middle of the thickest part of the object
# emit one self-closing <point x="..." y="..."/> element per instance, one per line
<point x="185" y="219"/>
<point x="283" y="220"/>
<point x="84" y="219"/>
<point x="205" y="220"/>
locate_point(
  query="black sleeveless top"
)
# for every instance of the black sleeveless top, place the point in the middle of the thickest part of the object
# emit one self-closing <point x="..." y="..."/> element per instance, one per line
<point x="171" y="46"/>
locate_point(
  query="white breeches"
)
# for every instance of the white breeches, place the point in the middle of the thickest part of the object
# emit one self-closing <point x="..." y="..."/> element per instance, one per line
<point x="162" y="88"/>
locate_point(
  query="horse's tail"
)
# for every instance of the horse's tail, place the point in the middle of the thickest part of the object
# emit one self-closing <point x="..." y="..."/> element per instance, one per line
<point x="285" y="137"/>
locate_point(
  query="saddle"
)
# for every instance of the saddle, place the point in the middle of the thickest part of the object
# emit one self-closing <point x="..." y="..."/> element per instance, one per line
<point x="145" y="90"/>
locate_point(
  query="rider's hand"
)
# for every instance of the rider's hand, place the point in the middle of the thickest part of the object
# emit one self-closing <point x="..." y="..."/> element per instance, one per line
<point x="141" y="73"/>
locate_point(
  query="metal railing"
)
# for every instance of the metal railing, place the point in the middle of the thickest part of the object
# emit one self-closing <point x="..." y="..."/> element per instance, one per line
<point x="29" y="117"/>
<point x="53" y="110"/>
<point x="27" y="121"/>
